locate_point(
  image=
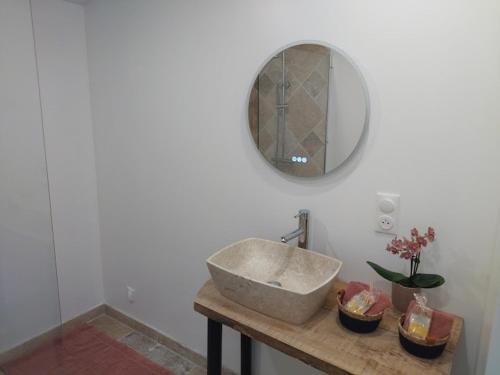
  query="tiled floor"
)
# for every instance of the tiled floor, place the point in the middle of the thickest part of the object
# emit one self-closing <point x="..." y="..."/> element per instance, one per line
<point x="144" y="345"/>
<point x="111" y="327"/>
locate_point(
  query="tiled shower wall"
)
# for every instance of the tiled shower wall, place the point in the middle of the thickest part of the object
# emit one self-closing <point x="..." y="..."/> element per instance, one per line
<point x="307" y="69"/>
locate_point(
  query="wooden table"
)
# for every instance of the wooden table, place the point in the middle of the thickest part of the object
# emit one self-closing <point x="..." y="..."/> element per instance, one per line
<point x="321" y="342"/>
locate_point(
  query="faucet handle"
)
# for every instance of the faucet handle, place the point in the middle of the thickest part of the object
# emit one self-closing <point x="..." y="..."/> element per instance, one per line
<point x="302" y="212"/>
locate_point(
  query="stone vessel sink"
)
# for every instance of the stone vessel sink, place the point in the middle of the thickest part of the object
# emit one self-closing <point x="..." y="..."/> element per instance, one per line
<point x="276" y="279"/>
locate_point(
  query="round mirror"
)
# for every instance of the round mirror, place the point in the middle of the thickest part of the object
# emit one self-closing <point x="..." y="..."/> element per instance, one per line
<point x="308" y="110"/>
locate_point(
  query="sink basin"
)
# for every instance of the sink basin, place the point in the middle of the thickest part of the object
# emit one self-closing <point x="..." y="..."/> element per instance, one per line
<point x="276" y="279"/>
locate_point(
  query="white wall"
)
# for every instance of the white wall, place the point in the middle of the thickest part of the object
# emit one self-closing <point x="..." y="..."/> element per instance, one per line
<point x="179" y="177"/>
<point x="29" y="302"/>
<point x="64" y="87"/>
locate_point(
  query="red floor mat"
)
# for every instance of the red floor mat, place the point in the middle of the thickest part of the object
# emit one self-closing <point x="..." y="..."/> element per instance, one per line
<point x="84" y="351"/>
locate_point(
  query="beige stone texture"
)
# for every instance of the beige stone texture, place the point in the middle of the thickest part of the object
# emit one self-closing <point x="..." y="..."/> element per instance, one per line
<point x="242" y="272"/>
<point x="110" y="326"/>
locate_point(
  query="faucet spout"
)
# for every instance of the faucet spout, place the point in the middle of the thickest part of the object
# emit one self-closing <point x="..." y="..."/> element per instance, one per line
<point x="290" y="236"/>
<point x="302" y="232"/>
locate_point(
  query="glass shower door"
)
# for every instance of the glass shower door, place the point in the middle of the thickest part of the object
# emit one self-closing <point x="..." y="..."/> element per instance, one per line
<point x="29" y="297"/>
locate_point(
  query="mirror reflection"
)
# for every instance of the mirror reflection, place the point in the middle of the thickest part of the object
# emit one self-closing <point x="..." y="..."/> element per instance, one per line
<point x="308" y="110"/>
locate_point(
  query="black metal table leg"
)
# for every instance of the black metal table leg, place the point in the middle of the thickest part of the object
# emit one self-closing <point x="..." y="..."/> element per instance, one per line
<point x="246" y="355"/>
<point x="214" y="348"/>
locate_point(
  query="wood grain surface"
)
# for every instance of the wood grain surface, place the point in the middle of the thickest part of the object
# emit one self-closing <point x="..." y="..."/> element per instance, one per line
<point x="324" y="343"/>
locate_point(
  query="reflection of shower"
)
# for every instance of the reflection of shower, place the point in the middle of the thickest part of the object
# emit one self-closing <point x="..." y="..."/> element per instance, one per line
<point x="289" y="109"/>
<point x="306" y="117"/>
<point x="281" y="108"/>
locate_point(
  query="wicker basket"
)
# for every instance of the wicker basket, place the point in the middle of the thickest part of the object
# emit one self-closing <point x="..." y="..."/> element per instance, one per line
<point x="421" y="348"/>
<point x="355" y="322"/>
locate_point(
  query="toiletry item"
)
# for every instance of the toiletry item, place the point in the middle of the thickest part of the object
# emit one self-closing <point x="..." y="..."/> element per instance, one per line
<point x="355" y="287"/>
<point x="356" y="322"/>
<point x="441" y="323"/>
<point x="419" y="318"/>
<point x="427" y="348"/>
<point x="419" y="325"/>
<point x="362" y="302"/>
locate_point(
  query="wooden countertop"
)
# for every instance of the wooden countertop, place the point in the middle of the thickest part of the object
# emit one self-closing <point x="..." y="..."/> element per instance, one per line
<point x="323" y="342"/>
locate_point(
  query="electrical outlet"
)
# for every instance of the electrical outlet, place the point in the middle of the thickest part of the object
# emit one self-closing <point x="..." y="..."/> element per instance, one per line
<point x="387" y="213"/>
<point x="130" y="294"/>
<point x="385" y="222"/>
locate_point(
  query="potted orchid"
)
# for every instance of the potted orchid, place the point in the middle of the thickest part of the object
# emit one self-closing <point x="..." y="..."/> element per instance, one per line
<point x="404" y="286"/>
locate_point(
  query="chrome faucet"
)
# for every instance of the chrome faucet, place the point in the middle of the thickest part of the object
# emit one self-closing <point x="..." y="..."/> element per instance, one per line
<point x="302" y="232"/>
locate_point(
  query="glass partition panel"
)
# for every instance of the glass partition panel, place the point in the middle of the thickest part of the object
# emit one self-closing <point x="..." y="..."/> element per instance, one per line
<point x="29" y="296"/>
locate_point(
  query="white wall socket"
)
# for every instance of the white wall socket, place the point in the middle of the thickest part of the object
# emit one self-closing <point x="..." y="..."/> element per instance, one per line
<point x="387" y="213"/>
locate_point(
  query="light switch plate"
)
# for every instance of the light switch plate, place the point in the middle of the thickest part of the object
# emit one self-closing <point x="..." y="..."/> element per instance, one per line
<point x="387" y="213"/>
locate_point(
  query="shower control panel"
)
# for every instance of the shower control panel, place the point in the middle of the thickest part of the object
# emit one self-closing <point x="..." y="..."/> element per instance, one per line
<point x="299" y="159"/>
<point x="294" y="160"/>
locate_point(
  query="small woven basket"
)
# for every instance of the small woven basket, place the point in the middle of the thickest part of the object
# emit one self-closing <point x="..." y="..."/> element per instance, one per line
<point x="421" y="348"/>
<point x="354" y="322"/>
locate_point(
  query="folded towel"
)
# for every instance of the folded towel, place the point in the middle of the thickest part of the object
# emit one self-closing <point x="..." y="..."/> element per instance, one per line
<point x="441" y="323"/>
<point x="382" y="303"/>
<point x="355" y="287"/>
